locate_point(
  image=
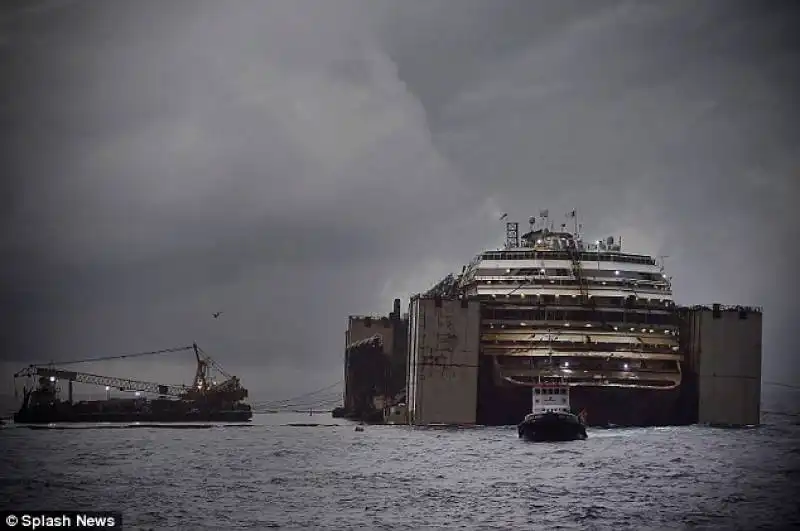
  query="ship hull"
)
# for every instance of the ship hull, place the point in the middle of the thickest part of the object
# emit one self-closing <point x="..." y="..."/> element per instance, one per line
<point x="503" y="404"/>
<point x="552" y="427"/>
<point x="163" y="411"/>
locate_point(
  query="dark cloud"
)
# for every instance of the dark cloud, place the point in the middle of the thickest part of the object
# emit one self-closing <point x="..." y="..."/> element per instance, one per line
<point x="673" y="125"/>
<point x="292" y="163"/>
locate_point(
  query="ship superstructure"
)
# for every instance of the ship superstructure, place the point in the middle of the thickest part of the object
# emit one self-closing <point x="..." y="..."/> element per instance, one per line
<point x="556" y="306"/>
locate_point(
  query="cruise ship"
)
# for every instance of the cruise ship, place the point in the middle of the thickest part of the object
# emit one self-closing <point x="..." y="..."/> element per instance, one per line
<point x="556" y="306"/>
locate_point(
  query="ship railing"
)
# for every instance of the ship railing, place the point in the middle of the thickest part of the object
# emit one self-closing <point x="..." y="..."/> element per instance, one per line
<point x="660" y="380"/>
<point x="567" y="302"/>
<point x="571" y="347"/>
<point x="497" y="352"/>
<point x="572" y="319"/>
<point x="613" y="257"/>
<point x="724" y="308"/>
<point x="664" y="385"/>
<point x="592" y="283"/>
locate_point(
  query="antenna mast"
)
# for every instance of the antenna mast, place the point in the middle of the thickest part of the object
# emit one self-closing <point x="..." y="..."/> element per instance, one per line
<point x="574" y="216"/>
<point x="575" y="219"/>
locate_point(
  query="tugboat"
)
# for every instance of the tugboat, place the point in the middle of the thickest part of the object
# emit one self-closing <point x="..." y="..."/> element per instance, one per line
<point x="551" y="418"/>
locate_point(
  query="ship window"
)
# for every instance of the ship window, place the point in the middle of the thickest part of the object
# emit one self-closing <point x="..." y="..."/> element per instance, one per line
<point x="536" y="391"/>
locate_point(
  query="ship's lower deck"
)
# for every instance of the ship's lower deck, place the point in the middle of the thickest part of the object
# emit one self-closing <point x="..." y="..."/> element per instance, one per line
<point x="501" y="403"/>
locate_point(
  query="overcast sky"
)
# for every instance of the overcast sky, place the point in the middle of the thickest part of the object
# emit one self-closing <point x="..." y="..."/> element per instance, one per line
<point x="293" y="162"/>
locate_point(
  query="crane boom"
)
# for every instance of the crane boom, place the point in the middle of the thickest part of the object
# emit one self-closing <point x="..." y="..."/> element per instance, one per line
<point x="110" y="381"/>
<point x="204" y="387"/>
<point x="122" y="356"/>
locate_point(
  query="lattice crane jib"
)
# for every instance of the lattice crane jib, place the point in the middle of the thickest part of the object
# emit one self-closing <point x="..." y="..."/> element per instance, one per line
<point x="203" y="386"/>
<point x="126" y="384"/>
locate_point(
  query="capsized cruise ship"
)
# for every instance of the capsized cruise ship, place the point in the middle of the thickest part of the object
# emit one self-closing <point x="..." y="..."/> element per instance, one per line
<point x="555" y="306"/>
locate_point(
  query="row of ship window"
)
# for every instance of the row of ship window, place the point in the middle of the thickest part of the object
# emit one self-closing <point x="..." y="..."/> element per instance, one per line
<point x="561" y="272"/>
<point x="610" y="302"/>
<point x="531" y="316"/>
<point x="563" y="255"/>
<point x="550" y="391"/>
<point x="615" y="283"/>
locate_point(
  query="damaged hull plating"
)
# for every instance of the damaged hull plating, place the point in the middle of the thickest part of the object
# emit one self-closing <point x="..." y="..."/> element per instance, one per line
<point x="503" y="404"/>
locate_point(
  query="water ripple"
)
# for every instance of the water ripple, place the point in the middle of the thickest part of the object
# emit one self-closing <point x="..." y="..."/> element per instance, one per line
<point x="276" y="476"/>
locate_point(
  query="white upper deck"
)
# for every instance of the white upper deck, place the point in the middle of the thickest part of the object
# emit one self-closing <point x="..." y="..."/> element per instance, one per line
<point x="548" y="258"/>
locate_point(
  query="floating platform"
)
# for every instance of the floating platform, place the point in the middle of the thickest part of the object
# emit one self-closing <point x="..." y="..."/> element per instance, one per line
<point x="127" y="411"/>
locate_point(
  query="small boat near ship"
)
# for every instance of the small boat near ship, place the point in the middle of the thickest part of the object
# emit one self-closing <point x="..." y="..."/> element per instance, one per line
<point x="551" y="418"/>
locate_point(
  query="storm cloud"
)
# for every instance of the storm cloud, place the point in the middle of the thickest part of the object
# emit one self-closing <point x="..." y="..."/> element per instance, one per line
<point x="290" y="163"/>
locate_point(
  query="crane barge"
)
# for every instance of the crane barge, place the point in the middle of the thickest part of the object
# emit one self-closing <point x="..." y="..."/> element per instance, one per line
<point x="205" y="400"/>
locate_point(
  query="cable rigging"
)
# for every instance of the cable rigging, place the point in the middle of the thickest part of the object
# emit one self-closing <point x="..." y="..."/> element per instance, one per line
<point x="310" y="400"/>
<point x="118" y="357"/>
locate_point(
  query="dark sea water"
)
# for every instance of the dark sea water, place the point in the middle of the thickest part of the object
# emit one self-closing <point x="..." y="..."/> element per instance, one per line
<point x="272" y="475"/>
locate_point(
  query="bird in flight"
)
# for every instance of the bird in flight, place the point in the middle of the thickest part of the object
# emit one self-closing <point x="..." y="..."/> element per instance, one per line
<point x="216" y="315"/>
